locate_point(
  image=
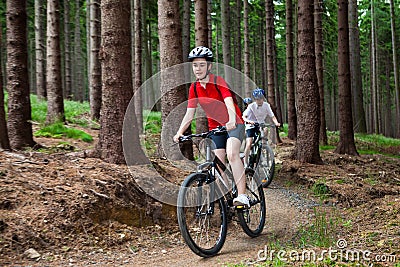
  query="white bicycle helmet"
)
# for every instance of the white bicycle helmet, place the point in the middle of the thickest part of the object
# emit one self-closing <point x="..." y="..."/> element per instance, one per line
<point x="201" y="52"/>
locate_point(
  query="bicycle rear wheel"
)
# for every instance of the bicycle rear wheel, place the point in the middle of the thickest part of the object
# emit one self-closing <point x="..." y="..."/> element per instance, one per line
<point x="252" y="219"/>
<point x="202" y="219"/>
<point x="266" y="166"/>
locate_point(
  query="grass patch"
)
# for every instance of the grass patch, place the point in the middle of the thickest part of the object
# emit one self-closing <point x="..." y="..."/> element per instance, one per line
<point x="75" y="112"/>
<point x="152" y="122"/>
<point x="59" y="130"/>
<point x="327" y="147"/>
<point x="320" y="233"/>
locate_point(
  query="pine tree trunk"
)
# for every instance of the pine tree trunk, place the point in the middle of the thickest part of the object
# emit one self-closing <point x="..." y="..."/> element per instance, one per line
<point x="308" y="108"/>
<point x="346" y="142"/>
<point x="4" y="141"/>
<point x="55" y="104"/>
<point x="238" y="35"/>
<point x="269" y="11"/>
<point x="186" y="28"/>
<point x="319" y="54"/>
<point x="19" y="106"/>
<point x="173" y="91"/>
<point x="201" y="24"/>
<point x="291" y="104"/>
<point x="246" y="38"/>
<point x="201" y="36"/>
<point x="355" y="70"/>
<point x="67" y="52"/>
<point x="226" y="38"/>
<point x="374" y="108"/>
<point x="117" y="90"/>
<point x="39" y="49"/>
<point x="94" y="62"/>
<point x="395" y="69"/>
<point x="78" y="62"/>
<point x="138" y="63"/>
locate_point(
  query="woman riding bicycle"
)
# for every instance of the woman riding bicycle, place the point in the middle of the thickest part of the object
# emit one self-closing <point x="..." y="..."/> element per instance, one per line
<point x="256" y="112"/>
<point x="217" y="102"/>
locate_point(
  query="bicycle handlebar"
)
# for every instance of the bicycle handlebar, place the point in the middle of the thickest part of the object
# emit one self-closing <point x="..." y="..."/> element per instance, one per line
<point x="219" y="130"/>
<point x="262" y="125"/>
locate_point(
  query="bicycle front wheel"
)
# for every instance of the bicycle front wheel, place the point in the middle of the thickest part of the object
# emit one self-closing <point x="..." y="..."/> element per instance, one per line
<point x="266" y="166"/>
<point x="252" y="219"/>
<point x="202" y="219"/>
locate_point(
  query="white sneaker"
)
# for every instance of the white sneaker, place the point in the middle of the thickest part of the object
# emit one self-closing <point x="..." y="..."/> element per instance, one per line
<point x="241" y="200"/>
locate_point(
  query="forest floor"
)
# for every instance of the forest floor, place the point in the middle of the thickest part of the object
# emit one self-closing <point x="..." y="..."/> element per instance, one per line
<point x="59" y="208"/>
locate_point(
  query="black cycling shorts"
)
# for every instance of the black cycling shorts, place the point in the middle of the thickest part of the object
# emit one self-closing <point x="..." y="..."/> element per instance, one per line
<point x="220" y="139"/>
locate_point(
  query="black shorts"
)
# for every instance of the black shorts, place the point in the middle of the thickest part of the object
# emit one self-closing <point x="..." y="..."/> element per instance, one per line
<point x="252" y="132"/>
<point x="220" y="140"/>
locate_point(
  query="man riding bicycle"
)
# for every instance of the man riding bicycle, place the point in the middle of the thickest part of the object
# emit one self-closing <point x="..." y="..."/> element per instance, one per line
<point x="213" y="95"/>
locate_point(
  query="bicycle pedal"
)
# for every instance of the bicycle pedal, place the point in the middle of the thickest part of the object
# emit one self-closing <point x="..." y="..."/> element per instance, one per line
<point x="242" y="207"/>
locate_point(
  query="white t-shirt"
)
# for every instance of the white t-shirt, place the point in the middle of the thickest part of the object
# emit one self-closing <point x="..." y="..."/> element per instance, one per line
<point x="257" y="113"/>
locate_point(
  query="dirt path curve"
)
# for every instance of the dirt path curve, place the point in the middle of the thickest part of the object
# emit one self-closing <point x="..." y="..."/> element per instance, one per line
<point x="285" y="212"/>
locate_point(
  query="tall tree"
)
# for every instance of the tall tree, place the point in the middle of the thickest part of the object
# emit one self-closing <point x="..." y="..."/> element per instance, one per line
<point x="55" y="103"/>
<point x="271" y="66"/>
<point x="226" y="37"/>
<point x="346" y="143"/>
<point x="138" y="63"/>
<point x="94" y="62"/>
<point x="78" y="78"/>
<point x="40" y="50"/>
<point x="395" y="67"/>
<point x="291" y="104"/>
<point x="117" y="90"/>
<point x="67" y="52"/>
<point x="200" y="23"/>
<point x="355" y="69"/>
<point x="19" y="105"/>
<point x="319" y="55"/>
<point x="201" y="38"/>
<point x="246" y="45"/>
<point x="186" y="28"/>
<point x="374" y="78"/>
<point x="169" y="26"/>
<point x="308" y="108"/>
<point x="4" y="141"/>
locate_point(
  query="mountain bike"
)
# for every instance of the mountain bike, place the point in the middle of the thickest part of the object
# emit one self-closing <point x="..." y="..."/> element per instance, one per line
<point x="261" y="158"/>
<point x="205" y="202"/>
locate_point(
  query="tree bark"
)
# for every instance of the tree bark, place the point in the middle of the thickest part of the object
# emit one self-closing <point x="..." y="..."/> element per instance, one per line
<point x="138" y="64"/>
<point x="169" y="26"/>
<point x="39" y="49"/>
<point x="94" y="61"/>
<point x="291" y="104"/>
<point x="117" y="90"/>
<point x="395" y="68"/>
<point x="4" y="140"/>
<point x="55" y="104"/>
<point x="355" y="70"/>
<point x="201" y="38"/>
<point x="319" y="54"/>
<point x="246" y="51"/>
<point x="186" y="28"/>
<point x="308" y="108"/>
<point x="19" y="105"/>
<point x="346" y="142"/>
<point x="67" y="52"/>
<point x="78" y="84"/>
<point x="226" y="38"/>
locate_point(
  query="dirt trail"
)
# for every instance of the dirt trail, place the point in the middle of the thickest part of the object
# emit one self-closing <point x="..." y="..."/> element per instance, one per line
<point x="283" y="218"/>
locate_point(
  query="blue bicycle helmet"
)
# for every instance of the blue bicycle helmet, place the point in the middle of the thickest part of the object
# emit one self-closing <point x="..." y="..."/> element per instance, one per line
<point x="258" y="93"/>
<point x="247" y="100"/>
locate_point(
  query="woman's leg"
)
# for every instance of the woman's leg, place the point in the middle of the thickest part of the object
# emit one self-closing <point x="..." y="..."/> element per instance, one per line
<point x="233" y="153"/>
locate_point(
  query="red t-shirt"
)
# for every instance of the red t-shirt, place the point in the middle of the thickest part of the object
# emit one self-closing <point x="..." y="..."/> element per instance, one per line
<point x="212" y="102"/>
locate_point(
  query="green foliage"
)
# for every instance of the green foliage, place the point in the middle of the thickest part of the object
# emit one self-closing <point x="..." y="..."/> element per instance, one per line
<point x="152" y="121"/>
<point x="320" y="233"/>
<point x="75" y="112"/>
<point x="59" y="130"/>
